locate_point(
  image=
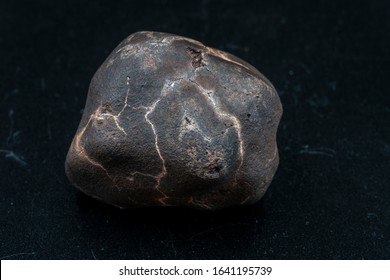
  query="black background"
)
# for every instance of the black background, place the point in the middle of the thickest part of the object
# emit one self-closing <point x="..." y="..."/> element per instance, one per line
<point x="330" y="63"/>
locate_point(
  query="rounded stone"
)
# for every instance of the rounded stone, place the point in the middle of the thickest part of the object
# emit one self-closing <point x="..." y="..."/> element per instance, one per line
<point x="171" y="122"/>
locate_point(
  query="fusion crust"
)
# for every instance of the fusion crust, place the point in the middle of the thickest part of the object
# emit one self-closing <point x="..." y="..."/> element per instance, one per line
<point x="171" y="122"/>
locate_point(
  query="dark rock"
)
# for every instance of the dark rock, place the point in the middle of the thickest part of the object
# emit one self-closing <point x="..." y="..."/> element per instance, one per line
<point x="169" y="121"/>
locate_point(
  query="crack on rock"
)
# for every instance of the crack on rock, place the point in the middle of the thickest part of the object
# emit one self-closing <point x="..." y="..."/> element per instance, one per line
<point x="142" y="174"/>
<point x="224" y="115"/>
<point x="150" y="109"/>
<point x="80" y="150"/>
<point x="164" y="169"/>
<point x="102" y="112"/>
<point x="107" y="111"/>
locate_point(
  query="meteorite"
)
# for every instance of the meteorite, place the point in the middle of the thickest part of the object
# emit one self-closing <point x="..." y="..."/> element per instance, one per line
<point x="171" y="122"/>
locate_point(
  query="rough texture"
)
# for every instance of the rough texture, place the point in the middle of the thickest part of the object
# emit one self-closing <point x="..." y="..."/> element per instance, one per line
<point x="169" y="121"/>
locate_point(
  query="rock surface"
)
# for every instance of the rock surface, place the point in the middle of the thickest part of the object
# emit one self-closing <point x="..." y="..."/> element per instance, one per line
<point x="171" y="122"/>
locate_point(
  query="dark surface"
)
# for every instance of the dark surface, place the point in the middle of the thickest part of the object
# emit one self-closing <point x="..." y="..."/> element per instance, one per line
<point x="330" y="198"/>
<point x="171" y="122"/>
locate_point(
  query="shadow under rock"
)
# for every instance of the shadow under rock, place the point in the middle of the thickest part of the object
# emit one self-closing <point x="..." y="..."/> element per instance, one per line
<point x="170" y="232"/>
